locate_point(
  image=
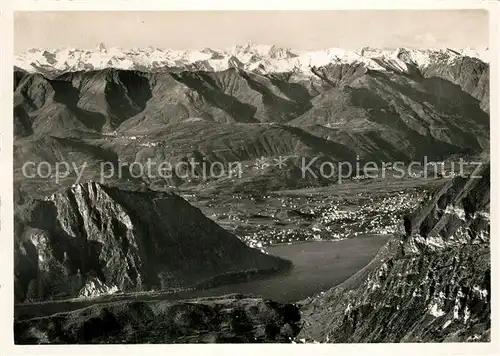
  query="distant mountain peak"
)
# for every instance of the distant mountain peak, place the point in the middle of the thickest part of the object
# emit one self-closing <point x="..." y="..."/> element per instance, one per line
<point x="102" y="48"/>
<point x="261" y="58"/>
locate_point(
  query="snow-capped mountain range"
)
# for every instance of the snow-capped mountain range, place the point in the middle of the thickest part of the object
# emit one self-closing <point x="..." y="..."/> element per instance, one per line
<point x="250" y="57"/>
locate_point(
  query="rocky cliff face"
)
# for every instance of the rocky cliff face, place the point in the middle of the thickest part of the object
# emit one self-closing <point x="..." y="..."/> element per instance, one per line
<point x="430" y="283"/>
<point x="92" y="239"/>
<point x="471" y="74"/>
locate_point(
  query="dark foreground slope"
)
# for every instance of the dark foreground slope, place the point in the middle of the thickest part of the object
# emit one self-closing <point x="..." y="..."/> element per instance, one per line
<point x="429" y="284"/>
<point x="231" y="319"/>
<point x="92" y="239"/>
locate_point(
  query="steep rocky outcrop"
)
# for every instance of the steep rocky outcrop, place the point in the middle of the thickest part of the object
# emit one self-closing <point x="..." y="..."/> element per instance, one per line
<point x="471" y="74"/>
<point x="228" y="319"/>
<point x="91" y="239"/>
<point x="430" y="283"/>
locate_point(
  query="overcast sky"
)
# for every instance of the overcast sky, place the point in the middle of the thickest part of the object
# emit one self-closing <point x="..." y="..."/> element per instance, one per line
<point x="222" y="29"/>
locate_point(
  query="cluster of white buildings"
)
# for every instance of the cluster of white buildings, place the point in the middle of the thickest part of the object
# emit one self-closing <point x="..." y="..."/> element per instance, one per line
<point x="336" y="219"/>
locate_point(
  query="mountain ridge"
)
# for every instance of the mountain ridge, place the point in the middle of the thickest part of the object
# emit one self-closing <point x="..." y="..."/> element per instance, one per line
<point x="250" y="57"/>
<point x="91" y="239"/>
<point x="342" y="112"/>
<point x="429" y="283"/>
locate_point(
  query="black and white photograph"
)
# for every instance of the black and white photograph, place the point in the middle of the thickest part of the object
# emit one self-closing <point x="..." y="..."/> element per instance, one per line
<point x="303" y="177"/>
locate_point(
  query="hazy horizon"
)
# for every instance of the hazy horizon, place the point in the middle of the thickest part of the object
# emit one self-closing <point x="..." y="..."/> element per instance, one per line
<point x="300" y="30"/>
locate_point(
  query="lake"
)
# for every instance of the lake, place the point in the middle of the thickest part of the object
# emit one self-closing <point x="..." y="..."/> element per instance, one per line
<point x="318" y="266"/>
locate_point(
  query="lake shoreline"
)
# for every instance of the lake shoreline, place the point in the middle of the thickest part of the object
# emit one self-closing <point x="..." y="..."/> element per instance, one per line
<point x="315" y="269"/>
